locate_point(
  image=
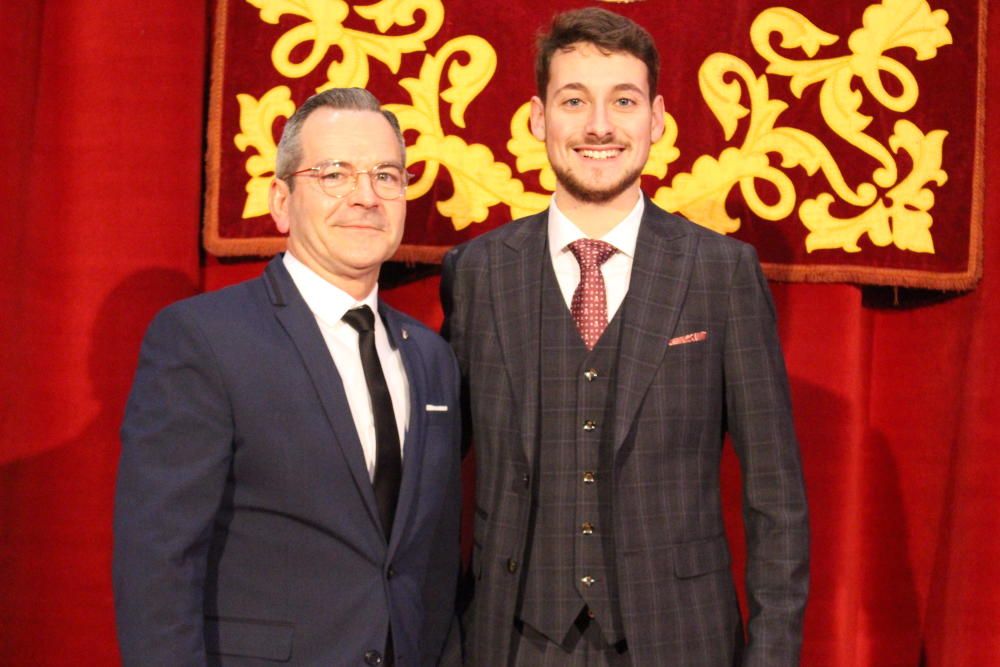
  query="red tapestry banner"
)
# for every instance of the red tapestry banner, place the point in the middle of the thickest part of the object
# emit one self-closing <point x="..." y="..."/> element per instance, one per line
<point x="843" y="140"/>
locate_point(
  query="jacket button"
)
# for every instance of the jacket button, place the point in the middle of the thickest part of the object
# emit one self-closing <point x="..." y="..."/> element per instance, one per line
<point x="589" y="477"/>
<point x="587" y="528"/>
<point x="390" y="573"/>
<point x="589" y="425"/>
<point x="520" y="482"/>
<point x="511" y="565"/>
<point x="587" y="581"/>
<point x="373" y="658"/>
<point x="590" y="374"/>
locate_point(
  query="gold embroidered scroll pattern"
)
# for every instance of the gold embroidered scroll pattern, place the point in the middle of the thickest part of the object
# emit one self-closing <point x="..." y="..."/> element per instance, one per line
<point x="479" y="181"/>
<point x="323" y="28"/>
<point x="256" y="122"/>
<point x="736" y="95"/>
<point x="901" y="215"/>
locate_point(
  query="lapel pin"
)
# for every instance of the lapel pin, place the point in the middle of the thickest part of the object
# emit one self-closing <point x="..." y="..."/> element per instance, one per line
<point x="406" y="334"/>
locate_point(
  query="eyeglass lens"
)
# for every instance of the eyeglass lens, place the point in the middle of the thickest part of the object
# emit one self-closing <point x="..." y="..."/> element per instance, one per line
<point x="339" y="180"/>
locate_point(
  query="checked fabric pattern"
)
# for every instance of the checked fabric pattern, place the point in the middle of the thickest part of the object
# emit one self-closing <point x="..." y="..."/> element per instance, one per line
<point x="590" y="300"/>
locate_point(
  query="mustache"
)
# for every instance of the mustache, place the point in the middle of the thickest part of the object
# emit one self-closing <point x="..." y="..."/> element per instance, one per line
<point x="594" y="140"/>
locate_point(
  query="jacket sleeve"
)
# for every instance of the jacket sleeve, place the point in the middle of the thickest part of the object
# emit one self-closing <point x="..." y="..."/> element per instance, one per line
<point x="758" y="411"/>
<point x="454" y="303"/>
<point x="176" y="448"/>
<point x="451" y="329"/>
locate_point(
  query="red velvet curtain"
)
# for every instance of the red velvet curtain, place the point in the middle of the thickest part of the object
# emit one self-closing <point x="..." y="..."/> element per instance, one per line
<point x="102" y="127"/>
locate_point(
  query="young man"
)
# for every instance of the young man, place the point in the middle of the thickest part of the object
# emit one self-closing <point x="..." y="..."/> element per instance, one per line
<point x="608" y="346"/>
<point x="288" y="488"/>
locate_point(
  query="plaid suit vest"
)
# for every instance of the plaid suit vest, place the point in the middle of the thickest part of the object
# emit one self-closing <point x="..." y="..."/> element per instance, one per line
<point x="571" y="556"/>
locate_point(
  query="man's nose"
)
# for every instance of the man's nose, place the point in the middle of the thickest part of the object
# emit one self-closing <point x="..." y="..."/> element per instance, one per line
<point x="598" y="122"/>
<point x="363" y="193"/>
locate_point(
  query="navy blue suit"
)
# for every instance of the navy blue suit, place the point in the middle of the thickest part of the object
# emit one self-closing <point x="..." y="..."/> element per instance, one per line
<point x="246" y="528"/>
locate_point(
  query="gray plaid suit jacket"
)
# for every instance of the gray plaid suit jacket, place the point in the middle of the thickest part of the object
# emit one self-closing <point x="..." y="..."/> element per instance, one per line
<point x="675" y="397"/>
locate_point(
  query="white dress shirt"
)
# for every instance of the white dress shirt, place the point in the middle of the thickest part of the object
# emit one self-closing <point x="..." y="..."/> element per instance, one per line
<point x="617" y="270"/>
<point x="328" y="304"/>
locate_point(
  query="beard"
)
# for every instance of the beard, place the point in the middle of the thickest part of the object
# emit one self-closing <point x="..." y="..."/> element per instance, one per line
<point x="585" y="193"/>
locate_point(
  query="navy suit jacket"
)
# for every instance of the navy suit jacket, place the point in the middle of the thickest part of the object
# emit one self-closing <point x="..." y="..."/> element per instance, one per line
<point x="246" y="528"/>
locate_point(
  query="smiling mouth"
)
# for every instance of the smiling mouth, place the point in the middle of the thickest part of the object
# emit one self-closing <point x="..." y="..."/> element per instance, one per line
<point x="366" y="222"/>
<point x="599" y="154"/>
<point x="357" y="226"/>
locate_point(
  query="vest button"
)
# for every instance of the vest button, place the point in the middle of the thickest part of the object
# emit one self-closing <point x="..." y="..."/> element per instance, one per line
<point x="589" y="425"/>
<point x="511" y="565"/>
<point x="589" y="477"/>
<point x="587" y="528"/>
<point x="587" y="581"/>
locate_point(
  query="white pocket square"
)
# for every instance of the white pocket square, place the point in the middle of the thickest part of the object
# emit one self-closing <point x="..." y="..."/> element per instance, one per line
<point x="436" y="408"/>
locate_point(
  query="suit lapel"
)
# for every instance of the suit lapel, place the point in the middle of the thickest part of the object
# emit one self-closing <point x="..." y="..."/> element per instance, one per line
<point x="516" y="272"/>
<point x="661" y="269"/>
<point x="413" y="445"/>
<point x="299" y="323"/>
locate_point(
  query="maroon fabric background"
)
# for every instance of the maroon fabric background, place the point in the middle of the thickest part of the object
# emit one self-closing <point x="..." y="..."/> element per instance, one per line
<point x="947" y="83"/>
<point x="102" y="126"/>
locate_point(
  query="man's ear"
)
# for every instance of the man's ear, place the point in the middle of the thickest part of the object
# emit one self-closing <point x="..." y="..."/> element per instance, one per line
<point x="538" y="118"/>
<point x="278" y="200"/>
<point x="656" y="128"/>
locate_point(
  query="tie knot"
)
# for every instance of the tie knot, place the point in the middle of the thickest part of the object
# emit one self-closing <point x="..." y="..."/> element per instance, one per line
<point x="361" y="319"/>
<point x="591" y="253"/>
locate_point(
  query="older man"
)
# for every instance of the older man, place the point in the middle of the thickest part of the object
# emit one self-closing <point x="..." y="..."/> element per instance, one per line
<point x="288" y="488"/>
<point x="608" y="346"/>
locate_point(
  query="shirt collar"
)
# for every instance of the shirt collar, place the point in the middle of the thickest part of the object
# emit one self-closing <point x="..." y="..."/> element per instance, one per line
<point x="622" y="236"/>
<point x="326" y="301"/>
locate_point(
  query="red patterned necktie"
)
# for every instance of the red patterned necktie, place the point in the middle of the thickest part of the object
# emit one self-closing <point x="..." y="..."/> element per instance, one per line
<point x="590" y="300"/>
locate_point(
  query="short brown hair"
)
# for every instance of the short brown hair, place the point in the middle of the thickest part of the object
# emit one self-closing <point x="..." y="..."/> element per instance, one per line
<point x="356" y="99"/>
<point x="609" y="32"/>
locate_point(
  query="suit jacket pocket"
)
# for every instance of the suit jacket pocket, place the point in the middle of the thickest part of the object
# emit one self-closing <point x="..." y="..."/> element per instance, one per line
<point x="692" y="559"/>
<point x="249" y="638"/>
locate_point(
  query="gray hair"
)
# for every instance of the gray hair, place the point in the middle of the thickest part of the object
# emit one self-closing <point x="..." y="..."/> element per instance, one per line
<point x="356" y="99"/>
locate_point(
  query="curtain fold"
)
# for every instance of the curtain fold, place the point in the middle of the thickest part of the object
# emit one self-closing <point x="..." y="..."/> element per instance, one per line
<point x="103" y="115"/>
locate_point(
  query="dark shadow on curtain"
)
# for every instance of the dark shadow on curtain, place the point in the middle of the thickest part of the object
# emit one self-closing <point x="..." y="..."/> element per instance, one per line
<point x="55" y="508"/>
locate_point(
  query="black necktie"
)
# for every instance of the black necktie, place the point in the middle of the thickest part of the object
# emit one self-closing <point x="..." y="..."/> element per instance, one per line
<point x="388" y="463"/>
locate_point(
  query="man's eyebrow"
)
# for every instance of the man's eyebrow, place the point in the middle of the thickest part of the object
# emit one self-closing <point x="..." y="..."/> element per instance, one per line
<point x="380" y="163"/>
<point x="631" y="87"/>
<point x="576" y="86"/>
<point x="570" y="86"/>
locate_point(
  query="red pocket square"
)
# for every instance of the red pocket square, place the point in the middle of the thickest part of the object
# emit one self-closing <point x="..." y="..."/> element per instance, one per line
<point x="689" y="338"/>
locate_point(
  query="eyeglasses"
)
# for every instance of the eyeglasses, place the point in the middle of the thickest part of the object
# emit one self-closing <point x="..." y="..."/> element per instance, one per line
<point x="339" y="179"/>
